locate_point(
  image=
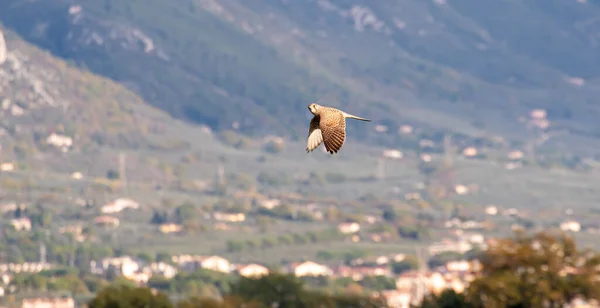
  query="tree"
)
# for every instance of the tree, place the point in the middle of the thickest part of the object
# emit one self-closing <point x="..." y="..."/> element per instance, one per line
<point x="287" y="291"/>
<point x="447" y="299"/>
<point x="185" y="212"/>
<point x="389" y="214"/>
<point x="159" y="217"/>
<point x="126" y="296"/>
<point x="112" y="174"/>
<point x="409" y="232"/>
<point x="274" y="146"/>
<point x="163" y="257"/>
<point x="205" y="302"/>
<point x="409" y="263"/>
<point x="146" y="257"/>
<point x="535" y="271"/>
<point x="443" y="258"/>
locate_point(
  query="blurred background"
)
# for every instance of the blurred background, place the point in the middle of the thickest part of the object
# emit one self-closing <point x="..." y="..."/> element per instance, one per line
<point x="160" y="145"/>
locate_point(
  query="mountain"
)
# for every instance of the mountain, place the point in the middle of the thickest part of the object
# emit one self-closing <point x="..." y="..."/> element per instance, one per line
<point x="473" y="67"/>
<point x="41" y="96"/>
<point x="59" y="118"/>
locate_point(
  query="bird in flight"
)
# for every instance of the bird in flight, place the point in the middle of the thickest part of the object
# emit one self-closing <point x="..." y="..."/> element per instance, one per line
<point x="328" y="126"/>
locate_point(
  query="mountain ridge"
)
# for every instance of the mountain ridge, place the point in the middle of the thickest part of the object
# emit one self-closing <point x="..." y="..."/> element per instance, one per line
<point x="461" y="66"/>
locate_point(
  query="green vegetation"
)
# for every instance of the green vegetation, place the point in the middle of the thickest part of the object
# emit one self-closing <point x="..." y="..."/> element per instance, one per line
<point x="527" y="271"/>
<point x="275" y="289"/>
<point x="540" y="270"/>
<point x="533" y="271"/>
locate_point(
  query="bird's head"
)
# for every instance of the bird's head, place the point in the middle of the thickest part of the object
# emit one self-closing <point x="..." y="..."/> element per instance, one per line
<point x="314" y="108"/>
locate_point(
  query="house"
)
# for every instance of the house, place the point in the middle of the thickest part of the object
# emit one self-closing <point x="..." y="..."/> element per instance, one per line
<point x="469" y="224"/>
<point x="432" y="281"/>
<point x="252" y="270"/>
<point x="515" y="155"/>
<point x="407" y="280"/>
<point x="570" y="225"/>
<point x="473" y="238"/>
<point x="7" y="167"/>
<point x="349" y="227"/>
<point x="456" y="284"/>
<point x="426" y="157"/>
<point x="491" y="210"/>
<point x="405" y="129"/>
<point x="9" y="207"/>
<point x="107" y="221"/>
<point x="166" y="270"/>
<point x="380" y="260"/>
<point x="538" y="114"/>
<point x="230" y="217"/>
<point x="21" y="224"/>
<point x="512" y="166"/>
<point x="458" y="266"/>
<point x="38" y="302"/>
<point x="310" y="268"/>
<point x="461" y="189"/>
<point x="215" y="263"/>
<point x="125" y="266"/>
<point x="270" y="203"/>
<point x="139" y="277"/>
<point x="358" y="273"/>
<point x="392" y="154"/>
<point x="381" y="128"/>
<point x="60" y="141"/>
<point x="192" y="263"/>
<point x="397" y="298"/>
<point x="470" y="152"/>
<point x="119" y="205"/>
<point x="581" y="303"/>
<point x="27" y="267"/>
<point x="170" y="228"/>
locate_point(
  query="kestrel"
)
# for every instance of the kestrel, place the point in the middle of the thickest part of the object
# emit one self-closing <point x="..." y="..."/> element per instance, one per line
<point x="328" y="126"/>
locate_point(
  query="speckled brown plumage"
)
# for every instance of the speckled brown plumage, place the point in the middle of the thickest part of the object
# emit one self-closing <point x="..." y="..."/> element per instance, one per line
<point x="328" y="126"/>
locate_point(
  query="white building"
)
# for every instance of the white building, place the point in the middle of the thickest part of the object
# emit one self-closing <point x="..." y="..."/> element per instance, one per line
<point x="310" y="268"/>
<point x="60" y="141"/>
<point x="118" y="205"/>
<point x="252" y="270"/>
<point x="570" y="225"/>
<point x="349" y="227"/>
<point x="192" y="263"/>
<point x="491" y="210"/>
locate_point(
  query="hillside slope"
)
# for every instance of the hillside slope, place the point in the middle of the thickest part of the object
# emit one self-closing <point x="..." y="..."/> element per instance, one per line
<point x="49" y="106"/>
<point x="471" y="66"/>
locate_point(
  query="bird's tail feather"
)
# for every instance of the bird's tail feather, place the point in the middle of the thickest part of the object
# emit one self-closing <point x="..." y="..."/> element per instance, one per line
<point x="349" y="116"/>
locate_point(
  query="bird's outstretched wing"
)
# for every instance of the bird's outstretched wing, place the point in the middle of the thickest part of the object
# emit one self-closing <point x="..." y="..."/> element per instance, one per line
<point x="333" y="129"/>
<point x="315" y="138"/>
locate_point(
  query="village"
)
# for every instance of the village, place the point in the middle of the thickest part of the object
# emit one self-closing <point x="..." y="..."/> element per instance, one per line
<point x="414" y="237"/>
<point x="411" y="282"/>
